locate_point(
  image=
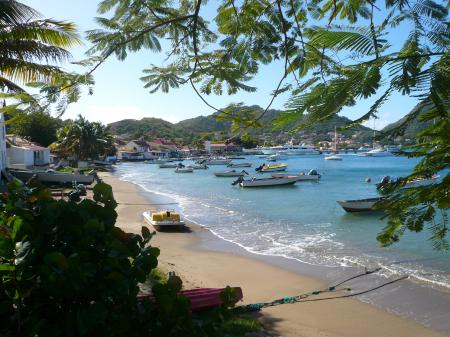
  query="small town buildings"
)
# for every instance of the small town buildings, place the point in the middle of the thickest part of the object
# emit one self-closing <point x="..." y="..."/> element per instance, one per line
<point x="222" y="148"/>
<point x="22" y="153"/>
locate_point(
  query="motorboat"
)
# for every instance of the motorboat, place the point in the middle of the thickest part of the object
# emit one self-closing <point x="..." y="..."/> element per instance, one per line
<point x="379" y="152"/>
<point x="232" y="173"/>
<point x="333" y="157"/>
<point x="164" y="220"/>
<point x="312" y="175"/>
<point x="199" y="166"/>
<point x="418" y="182"/>
<point x="265" y="182"/>
<point x="184" y="170"/>
<point x="54" y="177"/>
<point x="168" y="165"/>
<point x="289" y="149"/>
<point x="215" y="161"/>
<point x="360" y="205"/>
<point x="236" y="165"/>
<point x="271" y="168"/>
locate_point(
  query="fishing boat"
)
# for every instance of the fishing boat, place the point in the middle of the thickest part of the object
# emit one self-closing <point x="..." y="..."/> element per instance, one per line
<point x="236" y="165"/>
<point x="164" y="220"/>
<point x="232" y="173"/>
<point x="54" y="177"/>
<point x="360" y="205"/>
<point x="312" y="175"/>
<point x="271" y="168"/>
<point x="168" y="165"/>
<point x="184" y="170"/>
<point x="335" y="156"/>
<point x="265" y="182"/>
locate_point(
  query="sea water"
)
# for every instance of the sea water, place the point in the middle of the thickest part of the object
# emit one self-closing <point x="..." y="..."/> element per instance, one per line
<point x="303" y="221"/>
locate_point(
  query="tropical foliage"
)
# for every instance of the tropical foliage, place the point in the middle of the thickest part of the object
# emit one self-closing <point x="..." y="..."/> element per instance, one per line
<point x="30" y="49"/>
<point x="66" y="269"/>
<point x="84" y="140"/>
<point x="332" y="54"/>
<point x="38" y="127"/>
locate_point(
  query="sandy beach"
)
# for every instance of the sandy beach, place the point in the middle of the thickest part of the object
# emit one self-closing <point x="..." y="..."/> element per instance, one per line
<point x="260" y="281"/>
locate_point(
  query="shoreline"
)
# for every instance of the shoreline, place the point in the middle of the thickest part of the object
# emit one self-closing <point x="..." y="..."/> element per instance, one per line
<point x="203" y="259"/>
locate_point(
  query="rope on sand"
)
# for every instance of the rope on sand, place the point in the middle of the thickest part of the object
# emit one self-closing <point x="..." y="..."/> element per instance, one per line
<point x="304" y="297"/>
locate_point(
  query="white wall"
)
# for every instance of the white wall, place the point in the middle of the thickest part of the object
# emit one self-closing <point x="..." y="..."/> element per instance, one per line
<point x="2" y="143"/>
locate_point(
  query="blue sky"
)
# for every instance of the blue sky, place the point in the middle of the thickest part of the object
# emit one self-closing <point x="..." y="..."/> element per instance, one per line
<point x="119" y="94"/>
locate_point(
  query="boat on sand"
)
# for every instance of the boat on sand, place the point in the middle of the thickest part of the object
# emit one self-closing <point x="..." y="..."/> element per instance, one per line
<point x="54" y="177"/>
<point x="164" y="220"/>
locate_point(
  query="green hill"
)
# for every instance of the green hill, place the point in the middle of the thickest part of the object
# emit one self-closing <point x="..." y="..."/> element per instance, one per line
<point x="211" y="127"/>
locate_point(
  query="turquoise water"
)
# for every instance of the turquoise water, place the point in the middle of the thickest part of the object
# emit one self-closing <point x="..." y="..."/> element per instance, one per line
<point x="303" y="221"/>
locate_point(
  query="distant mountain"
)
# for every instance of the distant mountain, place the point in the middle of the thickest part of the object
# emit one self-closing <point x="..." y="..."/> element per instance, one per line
<point x="149" y="128"/>
<point x="192" y="128"/>
<point x="410" y="131"/>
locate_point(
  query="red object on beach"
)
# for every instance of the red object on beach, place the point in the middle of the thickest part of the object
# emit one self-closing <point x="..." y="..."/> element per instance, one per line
<point x="204" y="298"/>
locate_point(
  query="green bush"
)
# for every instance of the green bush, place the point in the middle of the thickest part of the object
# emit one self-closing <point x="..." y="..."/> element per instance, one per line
<point x="67" y="270"/>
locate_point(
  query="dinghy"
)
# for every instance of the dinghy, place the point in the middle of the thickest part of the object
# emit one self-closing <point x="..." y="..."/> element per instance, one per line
<point x="265" y="182"/>
<point x="168" y="165"/>
<point x="232" y="173"/>
<point x="164" y="220"/>
<point x="271" y="168"/>
<point x="312" y="175"/>
<point x="360" y="205"/>
<point x="184" y="170"/>
<point x="236" y="165"/>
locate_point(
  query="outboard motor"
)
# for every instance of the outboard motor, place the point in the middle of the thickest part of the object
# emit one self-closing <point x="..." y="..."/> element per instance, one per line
<point x="244" y="171"/>
<point x="237" y="181"/>
<point x="259" y="168"/>
<point x="81" y="189"/>
<point x="314" y="173"/>
<point x="386" y="180"/>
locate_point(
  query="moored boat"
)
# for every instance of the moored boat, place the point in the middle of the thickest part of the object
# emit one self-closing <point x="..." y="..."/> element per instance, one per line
<point x="333" y="157"/>
<point x="271" y="168"/>
<point x="214" y="161"/>
<point x="360" y="205"/>
<point x="265" y="182"/>
<point x="377" y="153"/>
<point x="312" y="175"/>
<point x="232" y="173"/>
<point x="236" y="165"/>
<point x="168" y="165"/>
<point x="184" y="170"/>
<point x="54" y="177"/>
<point x="164" y="220"/>
<point x="199" y="166"/>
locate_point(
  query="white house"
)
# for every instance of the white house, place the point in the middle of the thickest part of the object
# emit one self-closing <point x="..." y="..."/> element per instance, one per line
<point x="22" y="153"/>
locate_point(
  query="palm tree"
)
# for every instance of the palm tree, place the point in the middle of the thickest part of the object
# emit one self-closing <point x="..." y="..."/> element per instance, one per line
<point x="84" y="140"/>
<point x="31" y="46"/>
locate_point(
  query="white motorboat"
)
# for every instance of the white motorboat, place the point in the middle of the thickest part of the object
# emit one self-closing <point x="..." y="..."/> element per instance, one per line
<point x="232" y="173"/>
<point x="54" y="177"/>
<point x="360" y="205"/>
<point x="184" y="170"/>
<point x="377" y="153"/>
<point x="168" y="165"/>
<point x="312" y="175"/>
<point x="164" y="220"/>
<point x="199" y="166"/>
<point x="215" y="161"/>
<point x="265" y="182"/>
<point x="236" y="165"/>
<point x="333" y="157"/>
<point x="289" y="149"/>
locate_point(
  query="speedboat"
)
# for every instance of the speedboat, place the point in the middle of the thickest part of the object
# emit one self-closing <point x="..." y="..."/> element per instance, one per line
<point x="377" y="153"/>
<point x="236" y="165"/>
<point x="184" y="170"/>
<point x="164" y="220"/>
<point x="271" y="168"/>
<point x="168" y="165"/>
<point x="312" y="175"/>
<point x="333" y="157"/>
<point x="360" y="205"/>
<point x="265" y="182"/>
<point x="232" y="173"/>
